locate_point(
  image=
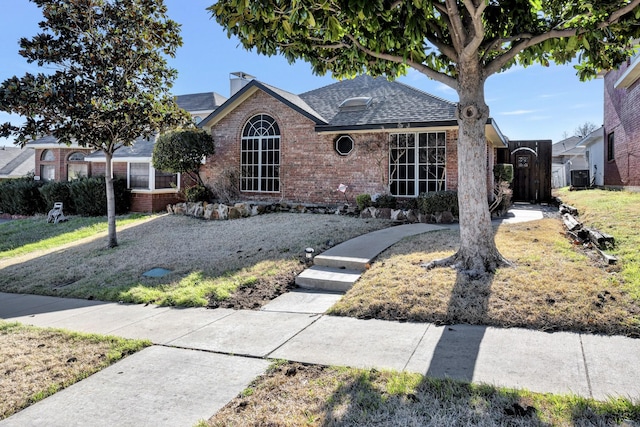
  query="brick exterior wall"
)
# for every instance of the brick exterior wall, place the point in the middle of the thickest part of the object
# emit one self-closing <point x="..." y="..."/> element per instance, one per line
<point x="622" y="117"/>
<point x="311" y="170"/>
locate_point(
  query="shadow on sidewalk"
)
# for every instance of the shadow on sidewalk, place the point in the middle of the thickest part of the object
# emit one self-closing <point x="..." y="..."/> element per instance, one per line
<point x="457" y="350"/>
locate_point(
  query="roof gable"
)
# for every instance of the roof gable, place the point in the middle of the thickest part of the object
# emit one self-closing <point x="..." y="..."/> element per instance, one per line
<point x="291" y="100"/>
<point x="16" y="162"/>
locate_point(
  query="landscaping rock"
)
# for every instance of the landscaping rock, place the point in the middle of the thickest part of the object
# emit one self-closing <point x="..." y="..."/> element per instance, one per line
<point x="222" y="211"/>
<point x="398" y="215"/>
<point x="445" y="217"/>
<point x="384" y="213"/>
<point x="180" y="208"/>
<point x="208" y="211"/>
<point x="234" y="213"/>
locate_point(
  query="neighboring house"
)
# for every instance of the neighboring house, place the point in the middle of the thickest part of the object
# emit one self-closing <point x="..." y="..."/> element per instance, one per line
<point x="567" y="160"/>
<point x="622" y="126"/>
<point x="370" y="134"/>
<point x="15" y="162"/>
<point x="151" y="190"/>
<point x="593" y="145"/>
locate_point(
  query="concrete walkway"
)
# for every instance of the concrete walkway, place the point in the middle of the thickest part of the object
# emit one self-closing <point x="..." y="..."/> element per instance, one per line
<point x="203" y="358"/>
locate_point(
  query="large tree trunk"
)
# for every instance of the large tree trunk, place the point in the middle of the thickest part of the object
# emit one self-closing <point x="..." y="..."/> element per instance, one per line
<point x="478" y="253"/>
<point x="111" y="202"/>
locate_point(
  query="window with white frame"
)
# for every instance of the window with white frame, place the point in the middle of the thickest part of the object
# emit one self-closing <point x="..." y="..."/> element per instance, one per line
<point x="260" y="155"/>
<point x="164" y="180"/>
<point x="142" y="176"/>
<point x="139" y="176"/>
<point x="417" y="163"/>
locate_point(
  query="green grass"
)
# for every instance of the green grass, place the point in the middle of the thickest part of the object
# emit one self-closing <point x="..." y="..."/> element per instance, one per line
<point x="616" y="213"/>
<point x="197" y="288"/>
<point x="20" y="237"/>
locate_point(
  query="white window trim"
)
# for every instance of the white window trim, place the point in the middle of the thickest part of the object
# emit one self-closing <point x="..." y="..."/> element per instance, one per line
<point x="152" y="181"/>
<point x="416" y="164"/>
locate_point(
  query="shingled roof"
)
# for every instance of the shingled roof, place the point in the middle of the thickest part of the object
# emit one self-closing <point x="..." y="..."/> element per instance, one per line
<point x="392" y="103"/>
<point x="207" y="101"/>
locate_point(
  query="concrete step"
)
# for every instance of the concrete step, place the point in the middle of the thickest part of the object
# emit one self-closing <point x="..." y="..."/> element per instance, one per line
<point x="327" y="278"/>
<point x="343" y="262"/>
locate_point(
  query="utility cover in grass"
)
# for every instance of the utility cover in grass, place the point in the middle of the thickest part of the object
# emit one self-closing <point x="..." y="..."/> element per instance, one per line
<point x="157" y="272"/>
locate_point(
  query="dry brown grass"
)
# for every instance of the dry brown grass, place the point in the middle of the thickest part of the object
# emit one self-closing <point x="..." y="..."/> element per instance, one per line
<point x="553" y="286"/>
<point x="186" y="246"/>
<point x="300" y="395"/>
<point x="35" y="363"/>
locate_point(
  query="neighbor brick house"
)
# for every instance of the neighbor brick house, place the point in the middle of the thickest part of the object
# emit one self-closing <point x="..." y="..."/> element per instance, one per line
<point x="151" y="190"/>
<point x="622" y="126"/>
<point x="370" y="134"/>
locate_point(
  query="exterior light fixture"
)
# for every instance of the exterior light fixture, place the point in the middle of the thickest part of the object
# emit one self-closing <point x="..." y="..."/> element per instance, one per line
<point x="308" y="254"/>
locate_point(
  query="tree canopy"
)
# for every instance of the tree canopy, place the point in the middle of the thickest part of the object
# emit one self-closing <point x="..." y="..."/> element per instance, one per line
<point x="457" y="42"/>
<point x="384" y="37"/>
<point x="182" y="151"/>
<point x="105" y="80"/>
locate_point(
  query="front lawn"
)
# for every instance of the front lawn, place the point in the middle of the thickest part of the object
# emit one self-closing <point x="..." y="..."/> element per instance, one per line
<point x="553" y="285"/>
<point x="36" y="362"/>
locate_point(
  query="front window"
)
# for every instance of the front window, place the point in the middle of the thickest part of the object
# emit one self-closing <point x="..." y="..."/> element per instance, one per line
<point x="165" y="180"/>
<point x="76" y="170"/>
<point x="47" y="172"/>
<point x="260" y="155"/>
<point x="417" y="163"/>
<point x="139" y="176"/>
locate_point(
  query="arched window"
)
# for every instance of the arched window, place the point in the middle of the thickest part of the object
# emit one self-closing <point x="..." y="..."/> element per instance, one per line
<point x="47" y="156"/>
<point x="260" y="155"/>
<point x="76" y="157"/>
<point x="77" y="167"/>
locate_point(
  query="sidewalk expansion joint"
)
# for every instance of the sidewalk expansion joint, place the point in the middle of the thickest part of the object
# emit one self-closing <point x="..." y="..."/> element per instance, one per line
<point x="204" y="350"/>
<point x="318" y="317"/>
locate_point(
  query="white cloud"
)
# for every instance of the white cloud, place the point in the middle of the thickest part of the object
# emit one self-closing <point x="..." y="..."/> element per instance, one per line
<point x="517" y="112"/>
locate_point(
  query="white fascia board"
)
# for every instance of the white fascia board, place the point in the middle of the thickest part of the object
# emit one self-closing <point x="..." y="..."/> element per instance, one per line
<point x="631" y="74"/>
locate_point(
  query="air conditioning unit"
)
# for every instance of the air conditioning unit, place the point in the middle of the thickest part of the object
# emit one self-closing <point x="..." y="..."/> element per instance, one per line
<point x="580" y="178"/>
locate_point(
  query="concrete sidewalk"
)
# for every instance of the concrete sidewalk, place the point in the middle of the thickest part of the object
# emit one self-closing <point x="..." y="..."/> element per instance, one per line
<point x="203" y="358"/>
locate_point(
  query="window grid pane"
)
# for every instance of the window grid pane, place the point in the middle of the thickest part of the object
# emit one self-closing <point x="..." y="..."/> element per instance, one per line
<point x="139" y="176"/>
<point x="165" y="180"/>
<point x="417" y="168"/>
<point x="260" y="155"/>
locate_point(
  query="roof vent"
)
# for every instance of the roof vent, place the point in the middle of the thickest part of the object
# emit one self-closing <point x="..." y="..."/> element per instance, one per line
<point x="357" y="103"/>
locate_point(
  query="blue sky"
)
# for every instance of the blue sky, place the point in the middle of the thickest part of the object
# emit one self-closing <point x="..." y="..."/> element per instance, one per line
<point x="531" y="103"/>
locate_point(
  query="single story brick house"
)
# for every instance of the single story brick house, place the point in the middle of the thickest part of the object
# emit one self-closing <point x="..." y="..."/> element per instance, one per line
<point x="370" y="134"/>
<point x="622" y="126"/>
<point x="151" y="190"/>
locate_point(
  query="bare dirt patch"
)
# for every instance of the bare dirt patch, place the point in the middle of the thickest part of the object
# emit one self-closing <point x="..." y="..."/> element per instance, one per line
<point x="254" y="296"/>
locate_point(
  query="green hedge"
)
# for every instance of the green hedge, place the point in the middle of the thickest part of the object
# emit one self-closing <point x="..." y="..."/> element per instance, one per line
<point x="53" y="191"/>
<point x="439" y="201"/>
<point x="21" y="197"/>
<point x="90" y="196"/>
<point x="85" y="196"/>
